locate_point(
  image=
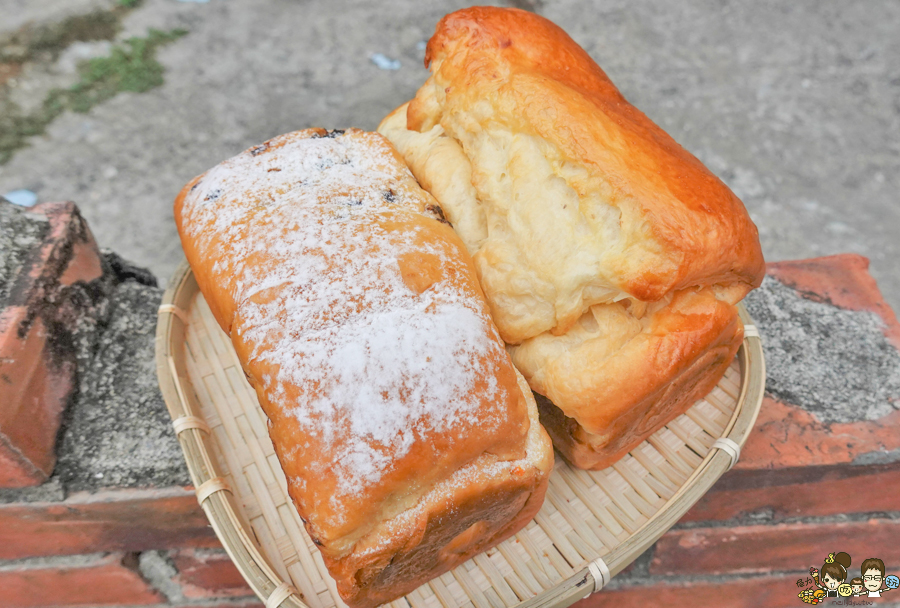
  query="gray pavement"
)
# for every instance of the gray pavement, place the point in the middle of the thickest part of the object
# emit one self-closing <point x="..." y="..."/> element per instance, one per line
<point x="796" y="105"/>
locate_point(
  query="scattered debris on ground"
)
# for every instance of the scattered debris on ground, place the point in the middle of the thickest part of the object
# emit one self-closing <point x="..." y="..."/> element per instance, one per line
<point x="384" y="62"/>
<point x="22" y="197"/>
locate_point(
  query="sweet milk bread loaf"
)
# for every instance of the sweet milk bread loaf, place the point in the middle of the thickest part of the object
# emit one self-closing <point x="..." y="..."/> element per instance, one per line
<point x="612" y="259"/>
<point x="408" y="439"/>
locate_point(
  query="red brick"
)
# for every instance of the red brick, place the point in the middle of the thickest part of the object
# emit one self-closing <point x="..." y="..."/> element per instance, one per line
<point x="206" y="574"/>
<point x="772" y="592"/>
<point x="842" y="280"/>
<point x="36" y="380"/>
<point x="781" y="547"/>
<point x="795" y="465"/>
<point x="792" y="466"/>
<point x="70" y="253"/>
<point x="125" y="520"/>
<point x="35" y="390"/>
<point x="846" y="490"/>
<point x="86" y="581"/>
<point x="787" y="436"/>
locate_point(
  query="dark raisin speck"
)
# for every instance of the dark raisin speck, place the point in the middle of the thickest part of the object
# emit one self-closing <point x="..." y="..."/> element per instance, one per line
<point x="259" y="149"/>
<point x="354" y="202"/>
<point x="329" y="134"/>
<point x="213" y="195"/>
<point x="389" y="196"/>
<point x="438" y="213"/>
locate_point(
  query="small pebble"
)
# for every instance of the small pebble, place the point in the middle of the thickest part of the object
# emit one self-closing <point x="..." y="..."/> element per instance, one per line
<point x="22" y="198"/>
<point x="384" y="62"/>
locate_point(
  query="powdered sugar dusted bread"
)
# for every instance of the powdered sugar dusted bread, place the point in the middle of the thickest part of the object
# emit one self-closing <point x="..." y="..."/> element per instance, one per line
<point x="408" y="439"/>
<point x="589" y="226"/>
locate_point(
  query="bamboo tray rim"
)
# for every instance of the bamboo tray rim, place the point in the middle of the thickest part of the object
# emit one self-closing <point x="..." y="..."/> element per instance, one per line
<point x="216" y="500"/>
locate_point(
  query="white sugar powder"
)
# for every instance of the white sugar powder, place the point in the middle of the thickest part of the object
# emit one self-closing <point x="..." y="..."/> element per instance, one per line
<point x="378" y="364"/>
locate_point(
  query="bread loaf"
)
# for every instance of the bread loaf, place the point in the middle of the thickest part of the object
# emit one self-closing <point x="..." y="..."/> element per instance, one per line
<point x="611" y="258"/>
<point x="408" y="439"/>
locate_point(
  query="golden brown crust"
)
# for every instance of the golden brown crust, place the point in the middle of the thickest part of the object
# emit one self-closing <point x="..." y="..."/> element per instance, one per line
<point x="480" y="516"/>
<point x="611" y="257"/>
<point x="476" y="509"/>
<point x="358" y="319"/>
<point x="497" y="71"/>
<point x="596" y="373"/>
<point x="615" y="400"/>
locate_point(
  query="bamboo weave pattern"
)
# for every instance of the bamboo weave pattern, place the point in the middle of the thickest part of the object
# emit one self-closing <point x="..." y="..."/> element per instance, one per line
<point x="586" y="513"/>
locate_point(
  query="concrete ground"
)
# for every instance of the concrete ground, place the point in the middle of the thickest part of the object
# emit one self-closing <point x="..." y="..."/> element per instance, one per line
<point x="796" y="105"/>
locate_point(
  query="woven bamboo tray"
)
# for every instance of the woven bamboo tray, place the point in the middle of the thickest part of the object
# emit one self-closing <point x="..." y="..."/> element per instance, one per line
<point x="592" y="525"/>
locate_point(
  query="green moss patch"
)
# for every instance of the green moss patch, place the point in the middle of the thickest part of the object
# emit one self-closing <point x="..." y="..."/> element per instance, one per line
<point x="131" y="66"/>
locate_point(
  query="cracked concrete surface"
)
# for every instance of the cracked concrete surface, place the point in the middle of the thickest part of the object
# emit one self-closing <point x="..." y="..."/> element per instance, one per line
<point x="118" y="431"/>
<point x="796" y="105"/>
<point x="20" y="234"/>
<point x="836" y="363"/>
